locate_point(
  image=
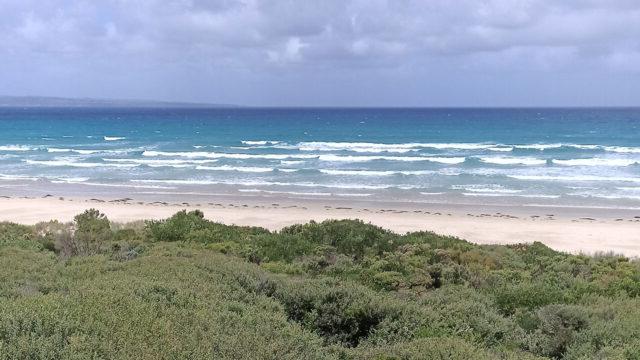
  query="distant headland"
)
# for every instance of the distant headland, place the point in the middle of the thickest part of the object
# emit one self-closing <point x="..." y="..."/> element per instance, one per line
<point x="48" y="101"/>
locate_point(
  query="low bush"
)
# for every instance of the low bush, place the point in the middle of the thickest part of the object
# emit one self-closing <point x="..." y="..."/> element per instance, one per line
<point x="187" y="287"/>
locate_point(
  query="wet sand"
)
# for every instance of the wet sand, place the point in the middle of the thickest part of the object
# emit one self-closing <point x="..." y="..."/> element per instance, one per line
<point x="575" y="230"/>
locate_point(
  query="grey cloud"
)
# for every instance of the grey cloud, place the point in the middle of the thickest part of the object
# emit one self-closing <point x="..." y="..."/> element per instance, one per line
<point x="263" y="40"/>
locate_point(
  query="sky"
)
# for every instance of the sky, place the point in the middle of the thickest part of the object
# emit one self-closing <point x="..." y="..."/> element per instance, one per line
<point x="326" y="52"/>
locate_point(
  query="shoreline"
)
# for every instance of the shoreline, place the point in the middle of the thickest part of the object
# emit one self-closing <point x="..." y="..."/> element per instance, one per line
<point x="570" y="229"/>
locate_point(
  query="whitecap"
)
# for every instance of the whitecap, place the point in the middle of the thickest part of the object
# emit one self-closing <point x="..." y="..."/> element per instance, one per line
<point x="16" y="148"/>
<point x="71" y="163"/>
<point x="503" y="160"/>
<point x="382" y="147"/>
<point x="285" y="192"/>
<point x="595" y="162"/>
<point x="113" y="138"/>
<point x="10" y="177"/>
<point x="538" y="146"/>
<point x="214" y="155"/>
<point x="350" y="186"/>
<point x="259" y="142"/>
<point x="373" y="172"/>
<point x="622" y="149"/>
<point x="575" y="178"/>
<point x="236" y="168"/>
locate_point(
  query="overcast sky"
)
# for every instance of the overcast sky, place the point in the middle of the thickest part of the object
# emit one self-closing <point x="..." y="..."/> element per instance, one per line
<point x="325" y="52"/>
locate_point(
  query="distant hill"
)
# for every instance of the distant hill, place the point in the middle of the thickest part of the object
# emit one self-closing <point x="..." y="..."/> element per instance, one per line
<point x="45" y="101"/>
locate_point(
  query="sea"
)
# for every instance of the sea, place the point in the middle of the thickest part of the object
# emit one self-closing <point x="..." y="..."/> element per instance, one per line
<point x="558" y="156"/>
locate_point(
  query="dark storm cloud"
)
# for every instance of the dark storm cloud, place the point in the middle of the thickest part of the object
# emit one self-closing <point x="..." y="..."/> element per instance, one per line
<point x="292" y="52"/>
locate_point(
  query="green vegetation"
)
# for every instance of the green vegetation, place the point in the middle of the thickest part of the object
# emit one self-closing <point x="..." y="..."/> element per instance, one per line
<point x="189" y="288"/>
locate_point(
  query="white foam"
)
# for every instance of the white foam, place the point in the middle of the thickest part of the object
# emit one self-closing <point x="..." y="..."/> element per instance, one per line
<point x="501" y="149"/>
<point x="284" y="192"/>
<point x="236" y="168"/>
<point x="79" y="151"/>
<point x="353" y="194"/>
<point x="374" y="172"/>
<point x="446" y="160"/>
<point x="162" y="162"/>
<point x="214" y="155"/>
<point x="262" y="183"/>
<point x="71" y="163"/>
<point x="70" y="180"/>
<point x="113" y="138"/>
<point x="538" y="146"/>
<point x="585" y="146"/>
<point x="595" y="162"/>
<point x="537" y="196"/>
<point x="622" y="149"/>
<point x="503" y="160"/>
<point x="356" y="159"/>
<point x="324" y="157"/>
<point x="493" y="190"/>
<point x="575" y="178"/>
<point x="259" y="142"/>
<point x="291" y="162"/>
<point x="16" y="148"/>
<point x="10" y="177"/>
<point x="382" y="147"/>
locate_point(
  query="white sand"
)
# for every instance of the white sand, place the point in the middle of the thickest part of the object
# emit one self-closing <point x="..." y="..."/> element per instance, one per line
<point x="561" y="233"/>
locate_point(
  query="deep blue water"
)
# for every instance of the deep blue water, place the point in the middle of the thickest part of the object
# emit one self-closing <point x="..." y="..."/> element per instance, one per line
<point x="560" y="156"/>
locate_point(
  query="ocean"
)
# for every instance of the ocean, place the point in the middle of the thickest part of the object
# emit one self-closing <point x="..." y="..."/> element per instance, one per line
<point x="565" y="157"/>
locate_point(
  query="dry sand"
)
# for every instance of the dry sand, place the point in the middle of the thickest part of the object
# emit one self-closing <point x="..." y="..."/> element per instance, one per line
<point x="561" y="229"/>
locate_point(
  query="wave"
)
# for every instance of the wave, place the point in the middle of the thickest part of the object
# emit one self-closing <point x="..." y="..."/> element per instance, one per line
<point x="291" y="162"/>
<point x="79" y="151"/>
<point x="373" y="172"/>
<point x="259" y="142"/>
<point x="493" y="190"/>
<point x="113" y="138"/>
<point x="622" y="149"/>
<point x="325" y="157"/>
<point x="10" y="177"/>
<point x="535" y="196"/>
<point x="595" y="162"/>
<point x="266" y="183"/>
<point x="214" y="155"/>
<point x="501" y="148"/>
<point x="16" y="148"/>
<point x="593" y="178"/>
<point x="71" y="163"/>
<point x="236" y="168"/>
<point x="382" y="147"/>
<point x="285" y="192"/>
<point x="364" y="158"/>
<point x="541" y="147"/>
<point x="513" y="160"/>
<point x="71" y="180"/>
<point x="162" y="163"/>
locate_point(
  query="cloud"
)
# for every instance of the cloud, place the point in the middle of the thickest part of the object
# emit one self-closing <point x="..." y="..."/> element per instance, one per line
<point x="306" y="36"/>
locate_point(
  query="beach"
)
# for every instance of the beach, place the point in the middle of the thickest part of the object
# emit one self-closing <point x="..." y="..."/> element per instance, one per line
<point x="574" y="230"/>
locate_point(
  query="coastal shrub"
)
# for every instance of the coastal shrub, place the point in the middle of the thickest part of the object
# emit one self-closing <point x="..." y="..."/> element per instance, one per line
<point x="92" y="232"/>
<point x="18" y="236"/>
<point x="193" y="227"/>
<point x="351" y="237"/>
<point x="557" y="327"/>
<point x="178" y="227"/>
<point x="187" y="287"/>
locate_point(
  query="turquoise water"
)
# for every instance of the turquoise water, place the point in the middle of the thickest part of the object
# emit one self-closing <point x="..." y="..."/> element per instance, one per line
<point x="549" y="156"/>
